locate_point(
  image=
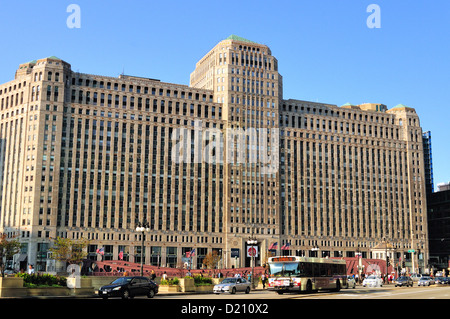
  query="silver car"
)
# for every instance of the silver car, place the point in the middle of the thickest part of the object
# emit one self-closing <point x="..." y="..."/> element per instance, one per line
<point x="232" y="285"/>
<point x="425" y="281"/>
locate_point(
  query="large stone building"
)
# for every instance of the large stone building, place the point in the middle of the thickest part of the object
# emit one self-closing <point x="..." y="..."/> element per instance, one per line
<point x="92" y="156"/>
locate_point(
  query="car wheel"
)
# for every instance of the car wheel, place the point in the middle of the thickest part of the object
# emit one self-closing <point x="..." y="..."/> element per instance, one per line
<point x="151" y="293"/>
<point x="233" y="291"/>
<point x="247" y="291"/>
<point x="125" y="294"/>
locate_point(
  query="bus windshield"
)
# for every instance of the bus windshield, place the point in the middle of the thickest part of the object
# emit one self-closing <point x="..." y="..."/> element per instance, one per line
<point x="284" y="269"/>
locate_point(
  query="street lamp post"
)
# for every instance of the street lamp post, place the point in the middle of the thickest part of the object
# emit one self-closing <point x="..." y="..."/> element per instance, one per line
<point x="252" y="242"/>
<point x="142" y="228"/>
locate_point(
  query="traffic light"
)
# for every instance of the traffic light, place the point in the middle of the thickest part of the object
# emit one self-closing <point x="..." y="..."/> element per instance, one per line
<point x="388" y="261"/>
<point x="403" y="264"/>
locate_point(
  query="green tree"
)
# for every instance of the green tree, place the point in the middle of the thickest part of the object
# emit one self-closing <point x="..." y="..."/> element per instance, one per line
<point x="8" y="248"/>
<point x="69" y="251"/>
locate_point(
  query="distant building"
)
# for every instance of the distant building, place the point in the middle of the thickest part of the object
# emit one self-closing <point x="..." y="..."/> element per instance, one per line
<point x="439" y="227"/>
<point x="428" y="162"/>
<point x="443" y="187"/>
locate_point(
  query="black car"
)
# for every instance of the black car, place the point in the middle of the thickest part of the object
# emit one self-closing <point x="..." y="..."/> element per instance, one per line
<point x="129" y="287"/>
<point x="403" y="281"/>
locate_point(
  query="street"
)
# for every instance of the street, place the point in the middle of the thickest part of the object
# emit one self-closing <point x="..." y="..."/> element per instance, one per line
<point x="385" y="292"/>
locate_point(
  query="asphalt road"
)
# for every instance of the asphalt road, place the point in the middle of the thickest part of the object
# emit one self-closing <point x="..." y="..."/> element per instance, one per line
<point x="385" y="292"/>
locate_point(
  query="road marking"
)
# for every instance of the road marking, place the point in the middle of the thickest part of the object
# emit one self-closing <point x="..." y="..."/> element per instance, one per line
<point x="396" y="294"/>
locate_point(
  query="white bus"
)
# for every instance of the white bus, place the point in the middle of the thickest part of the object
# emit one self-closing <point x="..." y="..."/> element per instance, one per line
<point x="291" y="273"/>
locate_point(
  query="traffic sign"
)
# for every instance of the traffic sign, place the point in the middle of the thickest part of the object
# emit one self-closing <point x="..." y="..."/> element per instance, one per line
<point x="411" y="251"/>
<point x="252" y="251"/>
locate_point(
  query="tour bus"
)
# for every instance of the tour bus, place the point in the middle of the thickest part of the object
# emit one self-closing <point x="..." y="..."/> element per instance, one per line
<point x="292" y="273"/>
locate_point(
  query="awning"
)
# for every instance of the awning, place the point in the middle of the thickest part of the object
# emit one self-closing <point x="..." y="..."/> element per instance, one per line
<point x="22" y="257"/>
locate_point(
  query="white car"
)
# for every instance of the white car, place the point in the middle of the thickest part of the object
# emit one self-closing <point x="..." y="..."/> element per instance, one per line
<point x="373" y="281"/>
<point x="351" y="282"/>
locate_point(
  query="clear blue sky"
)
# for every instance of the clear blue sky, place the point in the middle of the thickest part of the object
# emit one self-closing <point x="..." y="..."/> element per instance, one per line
<point x="325" y="50"/>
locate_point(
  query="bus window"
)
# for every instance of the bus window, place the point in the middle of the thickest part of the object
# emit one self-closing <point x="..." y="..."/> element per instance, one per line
<point x="291" y="269"/>
<point x="316" y="270"/>
<point x="276" y="269"/>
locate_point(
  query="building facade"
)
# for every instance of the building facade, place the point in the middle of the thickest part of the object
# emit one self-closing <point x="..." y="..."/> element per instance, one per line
<point x="439" y="228"/>
<point x="428" y="162"/>
<point x="206" y="165"/>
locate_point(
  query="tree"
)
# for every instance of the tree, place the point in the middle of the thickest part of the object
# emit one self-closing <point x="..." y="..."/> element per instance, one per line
<point x="69" y="251"/>
<point x="8" y="248"/>
<point x="211" y="260"/>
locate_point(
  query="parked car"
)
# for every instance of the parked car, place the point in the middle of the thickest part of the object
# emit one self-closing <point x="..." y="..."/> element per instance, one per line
<point x="403" y="281"/>
<point x="441" y="281"/>
<point x="129" y="287"/>
<point x="373" y="281"/>
<point x="10" y="272"/>
<point x="232" y="285"/>
<point x="415" y="277"/>
<point x="425" y="281"/>
<point x="351" y="282"/>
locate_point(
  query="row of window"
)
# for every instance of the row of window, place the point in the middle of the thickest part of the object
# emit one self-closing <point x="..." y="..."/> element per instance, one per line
<point x="13" y="87"/>
<point x="146" y="104"/>
<point x="130" y="88"/>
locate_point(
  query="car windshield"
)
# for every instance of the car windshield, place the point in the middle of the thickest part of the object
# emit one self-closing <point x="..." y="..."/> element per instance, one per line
<point x="371" y="277"/>
<point x="121" y="281"/>
<point x="229" y="281"/>
<point x="425" y="278"/>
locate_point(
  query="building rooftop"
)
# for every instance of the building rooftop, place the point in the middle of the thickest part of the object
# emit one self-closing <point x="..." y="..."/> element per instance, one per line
<point x="237" y="38"/>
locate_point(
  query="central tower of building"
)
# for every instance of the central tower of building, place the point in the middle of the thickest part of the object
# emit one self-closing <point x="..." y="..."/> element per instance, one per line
<point x="244" y="77"/>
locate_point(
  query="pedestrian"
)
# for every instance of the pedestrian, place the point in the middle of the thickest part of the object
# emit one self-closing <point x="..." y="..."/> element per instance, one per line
<point x="164" y="276"/>
<point x="30" y="270"/>
<point x="153" y="275"/>
<point x="263" y="280"/>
